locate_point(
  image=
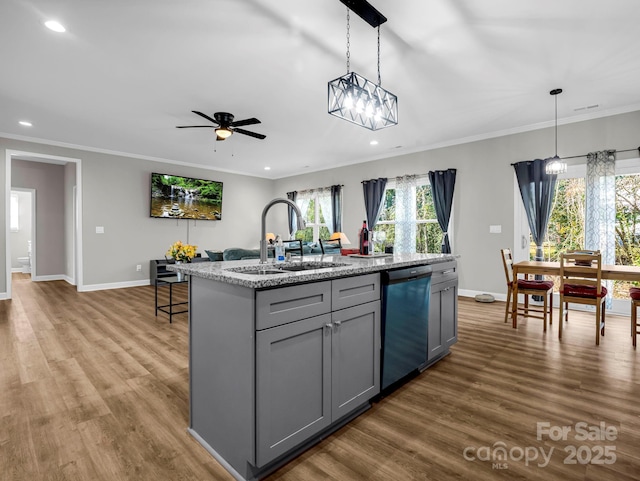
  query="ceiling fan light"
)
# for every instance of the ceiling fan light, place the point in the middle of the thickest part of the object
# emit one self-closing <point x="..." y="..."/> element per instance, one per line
<point x="223" y="133"/>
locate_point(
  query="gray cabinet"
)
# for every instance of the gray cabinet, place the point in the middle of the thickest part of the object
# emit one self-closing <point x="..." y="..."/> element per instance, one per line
<point x="355" y="357"/>
<point x="443" y="310"/>
<point x="314" y="371"/>
<point x="293" y="370"/>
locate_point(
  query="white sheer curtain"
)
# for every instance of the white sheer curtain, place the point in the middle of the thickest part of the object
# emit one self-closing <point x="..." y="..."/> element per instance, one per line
<point x="302" y="201"/>
<point x="600" y="221"/>
<point x="324" y="200"/>
<point x="405" y="241"/>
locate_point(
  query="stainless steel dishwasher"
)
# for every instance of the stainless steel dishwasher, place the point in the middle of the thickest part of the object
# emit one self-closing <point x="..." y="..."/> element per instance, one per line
<point x="405" y="322"/>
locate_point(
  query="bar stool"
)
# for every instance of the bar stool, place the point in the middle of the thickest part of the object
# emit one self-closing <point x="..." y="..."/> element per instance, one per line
<point x="634" y="293"/>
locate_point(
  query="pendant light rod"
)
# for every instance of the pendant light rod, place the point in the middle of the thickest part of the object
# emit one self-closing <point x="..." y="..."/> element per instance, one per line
<point x="366" y="11"/>
<point x="555" y="93"/>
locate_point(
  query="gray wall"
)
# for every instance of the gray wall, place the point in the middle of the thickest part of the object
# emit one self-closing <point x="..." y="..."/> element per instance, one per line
<point x="116" y="196"/>
<point x="48" y="181"/>
<point x="484" y="192"/>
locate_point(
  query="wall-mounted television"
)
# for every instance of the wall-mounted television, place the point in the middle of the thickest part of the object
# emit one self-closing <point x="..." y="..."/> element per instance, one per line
<point x="176" y="197"/>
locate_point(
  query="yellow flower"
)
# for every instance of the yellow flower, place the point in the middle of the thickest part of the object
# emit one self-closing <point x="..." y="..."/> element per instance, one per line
<point x="182" y="252"/>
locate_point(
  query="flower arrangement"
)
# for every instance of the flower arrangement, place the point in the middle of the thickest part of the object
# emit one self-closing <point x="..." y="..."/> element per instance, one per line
<point x="182" y="252"/>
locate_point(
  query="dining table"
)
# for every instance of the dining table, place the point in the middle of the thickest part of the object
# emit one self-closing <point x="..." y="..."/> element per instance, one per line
<point x="612" y="272"/>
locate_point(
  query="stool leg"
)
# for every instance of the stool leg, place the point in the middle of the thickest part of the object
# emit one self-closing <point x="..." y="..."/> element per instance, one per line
<point x="634" y="326"/>
<point x="544" y="314"/>
<point x="561" y="317"/>
<point x="598" y="308"/>
<point x="506" y="310"/>
<point x="551" y="308"/>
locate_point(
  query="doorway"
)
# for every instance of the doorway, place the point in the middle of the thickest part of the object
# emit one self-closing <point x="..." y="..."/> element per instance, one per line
<point x="22" y="227"/>
<point x="70" y="233"/>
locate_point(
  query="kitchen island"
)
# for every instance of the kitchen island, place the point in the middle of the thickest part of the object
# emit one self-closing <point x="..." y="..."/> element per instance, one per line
<point x="279" y="359"/>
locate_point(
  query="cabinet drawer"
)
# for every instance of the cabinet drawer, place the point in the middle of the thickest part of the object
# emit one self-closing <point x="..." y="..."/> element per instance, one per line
<point x="352" y="291"/>
<point x="288" y="304"/>
<point x="444" y="272"/>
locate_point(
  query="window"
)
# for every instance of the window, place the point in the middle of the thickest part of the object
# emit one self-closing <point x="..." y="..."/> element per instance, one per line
<point x="313" y="205"/>
<point x="14" y="213"/>
<point x="567" y="221"/>
<point x="408" y="217"/>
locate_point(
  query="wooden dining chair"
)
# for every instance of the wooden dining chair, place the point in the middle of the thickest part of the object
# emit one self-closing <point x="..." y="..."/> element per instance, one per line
<point x="528" y="287"/>
<point x="581" y="283"/>
<point x="634" y="293"/>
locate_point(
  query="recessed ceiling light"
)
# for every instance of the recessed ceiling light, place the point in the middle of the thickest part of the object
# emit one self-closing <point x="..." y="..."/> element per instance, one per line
<point x="267" y="168"/>
<point x="25" y="123"/>
<point x="55" y="26"/>
<point x="373" y="142"/>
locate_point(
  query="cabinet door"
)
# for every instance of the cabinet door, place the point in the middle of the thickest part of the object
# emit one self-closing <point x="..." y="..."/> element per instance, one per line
<point x="435" y="343"/>
<point x="449" y="315"/>
<point x="355" y="357"/>
<point x="293" y="378"/>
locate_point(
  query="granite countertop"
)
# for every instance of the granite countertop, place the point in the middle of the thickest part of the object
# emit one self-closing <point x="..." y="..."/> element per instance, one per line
<point x="231" y="272"/>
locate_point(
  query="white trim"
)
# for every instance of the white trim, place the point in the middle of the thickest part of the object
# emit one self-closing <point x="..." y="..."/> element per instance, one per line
<point x="124" y="154"/>
<point x="46" y="158"/>
<point x="114" y="285"/>
<point x="52" y="277"/>
<point x="620" y="307"/>
<point x="16" y="269"/>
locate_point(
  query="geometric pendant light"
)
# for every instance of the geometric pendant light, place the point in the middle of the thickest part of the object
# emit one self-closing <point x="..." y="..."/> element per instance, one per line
<point x="354" y="98"/>
<point x="555" y="165"/>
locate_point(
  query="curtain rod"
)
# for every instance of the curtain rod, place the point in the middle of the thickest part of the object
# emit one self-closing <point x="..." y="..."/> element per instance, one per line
<point x="303" y="191"/>
<point x="584" y="155"/>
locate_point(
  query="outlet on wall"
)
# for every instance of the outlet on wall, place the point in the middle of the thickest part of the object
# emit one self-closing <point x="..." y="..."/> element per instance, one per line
<point x="139" y="268"/>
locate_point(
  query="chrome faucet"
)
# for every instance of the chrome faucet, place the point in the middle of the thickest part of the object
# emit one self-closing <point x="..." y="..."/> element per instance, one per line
<point x="263" y="232"/>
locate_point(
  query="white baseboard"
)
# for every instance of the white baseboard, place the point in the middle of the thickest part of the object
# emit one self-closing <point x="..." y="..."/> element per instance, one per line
<point x="114" y="285"/>
<point x="53" y="277"/>
<point x="70" y="280"/>
<point x="3" y="296"/>
<point x="16" y="269"/>
<point x="469" y="293"/>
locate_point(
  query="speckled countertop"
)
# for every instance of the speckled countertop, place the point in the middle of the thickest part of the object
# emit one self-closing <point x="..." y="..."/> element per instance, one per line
<point x="237" y="272"/>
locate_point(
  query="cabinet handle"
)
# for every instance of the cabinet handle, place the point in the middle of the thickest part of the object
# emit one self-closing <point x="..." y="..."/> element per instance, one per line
<point x="337" y="323"/>
<point x="447" y="271"/>
<point x="328" y="326"/>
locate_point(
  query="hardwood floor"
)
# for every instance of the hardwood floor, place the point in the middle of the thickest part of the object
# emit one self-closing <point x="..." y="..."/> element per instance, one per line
<point x="94" y="387"/>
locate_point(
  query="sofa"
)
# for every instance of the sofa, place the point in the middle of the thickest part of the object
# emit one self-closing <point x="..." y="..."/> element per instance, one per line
<point x="237" y="253"/>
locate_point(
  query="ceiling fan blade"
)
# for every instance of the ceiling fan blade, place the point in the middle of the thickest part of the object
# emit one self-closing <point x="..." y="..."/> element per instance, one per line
<point x="195" y="126"/>
<point x="240" y="123"/>
<point x="205" y="116"/>
<point x="251" y="134"/>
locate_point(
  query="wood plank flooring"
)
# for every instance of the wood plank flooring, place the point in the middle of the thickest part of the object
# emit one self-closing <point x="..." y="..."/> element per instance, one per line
<point x="94" y="387"/>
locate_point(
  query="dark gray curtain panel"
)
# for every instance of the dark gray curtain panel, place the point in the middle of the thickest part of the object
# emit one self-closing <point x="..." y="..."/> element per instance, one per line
<point x="293" y="223"/>
<point x="442" y="185"/>
<point x="373" y="193"/>
<point x="537" y="189"/>
<point x="336" y="207"/>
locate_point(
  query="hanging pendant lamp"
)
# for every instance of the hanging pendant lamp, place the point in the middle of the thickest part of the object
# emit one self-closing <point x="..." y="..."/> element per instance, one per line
<point x="356" y="99"/>
<point x="555" y="165"/>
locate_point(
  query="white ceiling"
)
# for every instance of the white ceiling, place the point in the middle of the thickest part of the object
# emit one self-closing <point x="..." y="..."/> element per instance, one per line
<point x="127" y="72"/>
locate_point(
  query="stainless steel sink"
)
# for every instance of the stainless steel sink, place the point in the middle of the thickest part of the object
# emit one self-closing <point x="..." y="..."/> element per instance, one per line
<point x="311" y="266"/>
<point x="269" y="269"/>
<point x="257" y="272"/>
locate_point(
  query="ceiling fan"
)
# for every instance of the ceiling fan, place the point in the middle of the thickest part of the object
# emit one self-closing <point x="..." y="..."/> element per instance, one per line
<point x="225" y="126"/>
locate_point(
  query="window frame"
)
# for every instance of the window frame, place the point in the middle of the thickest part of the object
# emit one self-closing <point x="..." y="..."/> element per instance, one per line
<point x="421" y="180"/>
